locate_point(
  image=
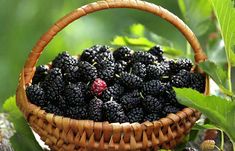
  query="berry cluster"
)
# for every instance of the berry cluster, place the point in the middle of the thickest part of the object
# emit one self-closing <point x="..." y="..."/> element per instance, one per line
<point x="120" y="86"/>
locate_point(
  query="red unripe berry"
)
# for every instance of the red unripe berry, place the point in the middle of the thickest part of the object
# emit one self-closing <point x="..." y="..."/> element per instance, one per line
<point x="98" y="86"/>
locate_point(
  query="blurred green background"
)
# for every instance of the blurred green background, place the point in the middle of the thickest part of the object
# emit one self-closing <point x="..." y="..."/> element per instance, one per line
<point x="23" y="22"/>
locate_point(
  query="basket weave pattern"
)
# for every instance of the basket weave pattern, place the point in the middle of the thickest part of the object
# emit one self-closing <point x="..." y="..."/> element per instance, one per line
<point x="65" y="134"/>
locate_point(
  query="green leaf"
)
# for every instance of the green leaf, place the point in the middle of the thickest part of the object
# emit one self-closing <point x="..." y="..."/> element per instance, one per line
<point x="220" y="111"/>
<point x="137" y="30"/>
<point x="23" y="139"/>
<point x="140" y="42"/>
<point x="205" y="126"/>
<point x="197" y="14"/>
<point x="225" y="14"/>
<point x="217" y="74"/>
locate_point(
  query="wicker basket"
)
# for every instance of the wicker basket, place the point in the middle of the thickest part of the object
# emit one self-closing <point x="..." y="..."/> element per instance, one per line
<point x="65" y="134"/>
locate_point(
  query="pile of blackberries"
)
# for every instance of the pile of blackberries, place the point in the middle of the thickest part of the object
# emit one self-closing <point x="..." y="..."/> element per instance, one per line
<point x="119" y="86"/>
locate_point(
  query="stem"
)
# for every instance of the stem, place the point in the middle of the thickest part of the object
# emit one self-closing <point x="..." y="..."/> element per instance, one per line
<point x="229" y="77"/>
<point x="222" y="140"/>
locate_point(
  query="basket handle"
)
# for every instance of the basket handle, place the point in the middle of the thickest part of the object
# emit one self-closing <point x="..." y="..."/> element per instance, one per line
<point x="29" y="66"/>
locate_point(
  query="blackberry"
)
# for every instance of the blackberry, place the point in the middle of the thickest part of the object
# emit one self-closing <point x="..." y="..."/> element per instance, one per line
<point x="74" y="94"/>
<point x="182" y="79"/>
<point x="71" y="74"/>
<point x="107" y="55"/>
<point x="61" y="103"/>
<point x="170" y="109"/>
<point x="63" y="61"/>
<point x="98" y="86"/>
<point x="114" y="91"/>
<point x="158" y="52"/>
<point x="154" y="72"/>
<point x="153" y="87"/>
<point x="106" y="70"/>
<point x="185" y="64"/>
<point x="51" y="108"/>
<point x="77" y="112"/>
<point x="143" y="57"/>
<point x="86" y="71"/>
<point x="114" y="112"/>
<point x="159" y="71"/>
<point x="130" y="81"/>
<point x="169" y="94"/>
<point x="122" y="53"/>
<point x="95" y="112"/>
<point x="90" y="54"/>
<point x="120" y="66"/>
<point x="36" y="95"/>
<point x="130" y="100"/>
<point x="197" y="82"/>
<point x="139" y="69"/>
<point x="40" y="74"/>
<point x="179" y="64"/>
<point x="152" y="104"/>
<point x="173" y="66"/>
<point x="135" y="115"/>
<point x="152" y="117"/>
<point x="53" y="84"/>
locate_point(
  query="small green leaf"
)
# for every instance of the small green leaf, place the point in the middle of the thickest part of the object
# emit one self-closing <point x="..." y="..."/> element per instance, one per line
<point x="220" y="111"/>
<point x="119" y="41"/>
<point x="137" y="30"/>
<point x="23" y="133"/>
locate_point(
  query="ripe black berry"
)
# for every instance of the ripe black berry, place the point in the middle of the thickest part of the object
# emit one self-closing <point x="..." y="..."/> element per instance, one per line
<point x="106" y="70"/>
<point x="197" y="82"/>
<point x="143" y="57"/>
<point x="114" y="112"/>
<point x="123" y="53"/>
<point x="158" y="52"/>
<point x="36" y="95"/>
<point x="74" y="94"/>
<point x="114" y="91"/>
<point x="86" y="72"/>
<point x="63" y="61"/>
<point x="96" y="53"/>
<point x="135" y="115"/>
<point x="51" y="108"/>
<point x="53" y="84"/>
<point x="139" y="69"/>
<point x="120" y="66"/>
<point x="152" y="104"/>
<point x="152" y="117"/>
<point x="130" y="100"/>
<point x="179" y="64"/>
<point x="170" y="109"/>
<point x="130" y="81"/>
<point x="95" y="110"/>
<point x="77" y="112"/>
<point x="40" y="74"/>
<point x="182" y="79"/>
<point x="153" y="87"/>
